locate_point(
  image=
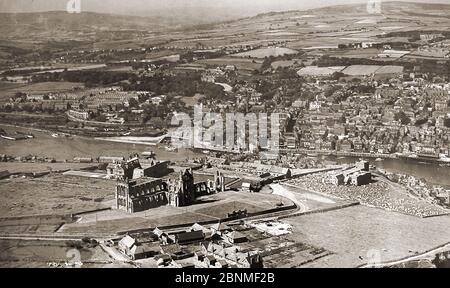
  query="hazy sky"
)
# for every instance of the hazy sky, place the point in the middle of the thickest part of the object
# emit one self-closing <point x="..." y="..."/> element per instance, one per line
<point x="151" y="7"/>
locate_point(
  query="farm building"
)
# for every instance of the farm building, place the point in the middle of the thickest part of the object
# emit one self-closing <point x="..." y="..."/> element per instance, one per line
<point x="132" y="248"/>
<point x="189" y="237"/>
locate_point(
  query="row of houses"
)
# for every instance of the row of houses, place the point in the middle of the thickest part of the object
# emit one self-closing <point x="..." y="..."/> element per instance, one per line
<point x="218" y="247"/>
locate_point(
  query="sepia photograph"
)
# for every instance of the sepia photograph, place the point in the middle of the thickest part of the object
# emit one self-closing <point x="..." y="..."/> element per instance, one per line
<point x="224" y="134"/>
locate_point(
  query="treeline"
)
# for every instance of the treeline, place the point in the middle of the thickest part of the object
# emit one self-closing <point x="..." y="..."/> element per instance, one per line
<point x="12" y="73"/>
<point x="90" y="78"/>
<point x="184" y="84"/>
<point x="15" y="51"/>
<point x="415" y="33"/>
<point x="267" y="63"/>
<point x="326" y="61"/>
<point x="434" y="68"/>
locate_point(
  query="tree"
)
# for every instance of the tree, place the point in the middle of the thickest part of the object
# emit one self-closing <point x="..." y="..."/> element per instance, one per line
<point x="401" y="116"/>
<point x="447" y="122"/>
<point x="133" y="103"/>
<point x="100" y="118"/>
<point x="337" y="76"/>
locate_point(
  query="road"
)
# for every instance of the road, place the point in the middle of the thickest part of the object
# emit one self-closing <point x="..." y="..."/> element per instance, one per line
<point x="427" y="254"/>
<point x="116" y="255"/>
<point x="279" y="190"/>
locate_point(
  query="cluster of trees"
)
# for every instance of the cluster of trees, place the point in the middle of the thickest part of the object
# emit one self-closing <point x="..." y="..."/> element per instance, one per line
<point x="12" y="73"/>
<point x="267" y="63"/>
<point x="184" y="84"/>
<point x="435" y="68"/>
<point x="415" y="33"/>
<point x="269" y="87"/>
<point x="158" y="116"/>
<point x="90" y="78"/>
<point x="363" y="89"/>
<point x="190" y="55"/>
<point x="447" y="122"/>
<point x="401" y="116"/>
<point x="30" y="108"/>
<point x="327" y="60"/>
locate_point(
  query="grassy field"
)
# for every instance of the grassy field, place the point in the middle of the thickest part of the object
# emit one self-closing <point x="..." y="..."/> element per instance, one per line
<point x="192" y="101"/>
<point x="19" y="167"/>
<point x="351" y="233"/>
<point x="285" y="63"/>
<point x="356" y="53"/>
<point x="38" y="88"/>
<point x="390" y="69"/>
<point x="267" y="52"/>
<point x="319" y="71"/>
<point x="36" y="254"/>
<point x="357" y="70"/>
<point x="4" y="86"/>
<point x="241" y="64"/>
<point x="208" y="208"/>
<point x="353" y="70"/>
<point x="53" y="195"/>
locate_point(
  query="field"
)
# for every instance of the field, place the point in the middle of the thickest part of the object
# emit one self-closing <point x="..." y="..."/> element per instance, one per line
<point x="120" y="69"/>
<point x="389" y="69"/>
<point x="192" y="101"/>
<point x="38" y="88"/>
<point x="208" y="208"/>
<point x="267" y="52"/>
<point x="37" y="254"/>
<point x="285" y="63"/>
<point x="360" y="70"/>
<point x="20" y="167"/>
<point x="241" y="64"/>
<point x="353" y="70"/>
<point x="5" y="86"/>
<point x="55" y="194"/>
<point x="357" y="53"/>
<point x="352" y="233"/>
<point x="319" y="71"/>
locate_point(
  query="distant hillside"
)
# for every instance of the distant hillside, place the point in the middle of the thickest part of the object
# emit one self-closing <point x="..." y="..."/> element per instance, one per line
<point x="20" y="24"/>
<point x="386" y="8"/>
<point x="64" y="25"/>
